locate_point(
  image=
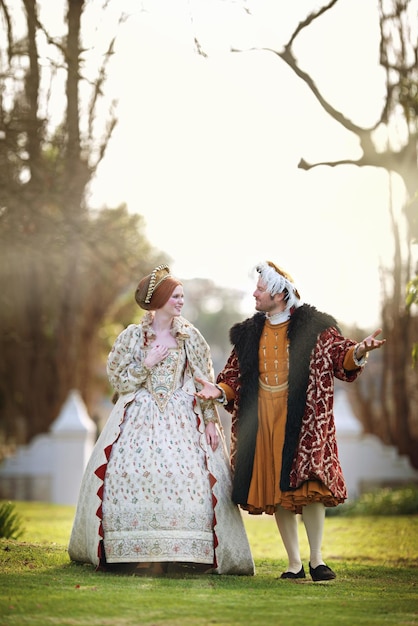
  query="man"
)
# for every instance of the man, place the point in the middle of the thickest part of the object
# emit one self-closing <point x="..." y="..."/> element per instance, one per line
<point x="278" y="383"/>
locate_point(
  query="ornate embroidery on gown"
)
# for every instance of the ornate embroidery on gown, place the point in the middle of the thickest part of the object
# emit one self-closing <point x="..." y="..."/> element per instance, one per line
<point x="172" y="490"/>
<point x="157" y="501"/>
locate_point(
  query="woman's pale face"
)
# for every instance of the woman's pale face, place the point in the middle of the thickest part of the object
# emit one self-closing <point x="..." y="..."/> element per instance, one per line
<point x="175" y="303"/>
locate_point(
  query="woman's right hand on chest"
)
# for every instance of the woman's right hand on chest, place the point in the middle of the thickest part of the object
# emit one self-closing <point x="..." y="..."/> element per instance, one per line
<point x="155" y="355"/>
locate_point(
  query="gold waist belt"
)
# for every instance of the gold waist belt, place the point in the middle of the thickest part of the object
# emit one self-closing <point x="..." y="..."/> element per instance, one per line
<point x="272" y="388"/>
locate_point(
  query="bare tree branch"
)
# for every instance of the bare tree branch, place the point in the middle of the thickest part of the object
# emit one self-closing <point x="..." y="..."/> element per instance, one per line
<point x="308" y="21"/>
<point x="32" y="88"/>
<point x="387" y="159"/>
<point x="98" y="85"/>
<point x="4" y="10"/>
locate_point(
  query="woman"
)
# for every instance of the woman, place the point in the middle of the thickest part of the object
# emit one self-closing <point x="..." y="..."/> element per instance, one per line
<point x="157" y="488"/>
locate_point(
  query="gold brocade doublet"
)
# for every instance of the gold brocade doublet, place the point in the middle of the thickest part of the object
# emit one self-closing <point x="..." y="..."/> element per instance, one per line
<point x="273" y="355"/>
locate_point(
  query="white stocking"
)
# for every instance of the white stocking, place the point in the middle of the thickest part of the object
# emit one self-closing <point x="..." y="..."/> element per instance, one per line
<point x="314" y="517"/>
<point x="287" y="524"/>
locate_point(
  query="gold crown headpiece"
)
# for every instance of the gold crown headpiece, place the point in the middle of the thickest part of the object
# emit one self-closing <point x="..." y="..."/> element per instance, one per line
<point x="158" y="275"/>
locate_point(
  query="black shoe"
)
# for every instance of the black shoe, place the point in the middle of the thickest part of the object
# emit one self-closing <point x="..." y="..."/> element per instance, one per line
<point x="322" y="572"/>
<point x="300" y="574"/>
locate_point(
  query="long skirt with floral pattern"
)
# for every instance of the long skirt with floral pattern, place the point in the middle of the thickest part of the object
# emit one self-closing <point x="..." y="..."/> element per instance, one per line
<point x="157" y="500"/>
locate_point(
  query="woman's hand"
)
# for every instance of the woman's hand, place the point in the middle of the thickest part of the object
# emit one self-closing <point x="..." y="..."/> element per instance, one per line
<point x="155" y="355"/>
<point x="209" y="391"/>
<point x="212" y="436"/>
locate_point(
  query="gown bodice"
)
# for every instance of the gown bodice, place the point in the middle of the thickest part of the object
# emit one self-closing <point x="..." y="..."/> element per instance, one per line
<point x="167" y="376"/>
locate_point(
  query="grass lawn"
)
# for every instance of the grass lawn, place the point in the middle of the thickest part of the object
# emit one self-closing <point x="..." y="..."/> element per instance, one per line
<point x="375" y="558"/>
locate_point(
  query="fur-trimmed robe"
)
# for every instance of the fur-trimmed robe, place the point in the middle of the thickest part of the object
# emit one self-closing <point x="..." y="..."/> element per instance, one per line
<point x="316" y="355"/>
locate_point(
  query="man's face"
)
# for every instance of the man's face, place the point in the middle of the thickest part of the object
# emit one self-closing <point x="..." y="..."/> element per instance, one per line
<point x="266" y="302"/>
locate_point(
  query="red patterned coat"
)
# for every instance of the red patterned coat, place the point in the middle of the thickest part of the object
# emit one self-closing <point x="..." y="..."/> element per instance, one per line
<point x="316" y="356"/>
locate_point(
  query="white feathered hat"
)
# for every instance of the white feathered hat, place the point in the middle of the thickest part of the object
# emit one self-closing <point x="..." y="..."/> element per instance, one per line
<point x="277" y="281"/>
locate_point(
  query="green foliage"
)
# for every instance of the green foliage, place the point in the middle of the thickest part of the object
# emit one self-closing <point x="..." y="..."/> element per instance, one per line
<point x="415" y="353"/>
<point x="10" y="521"/>
<point x="412" y="298"/>
<point x="397" y="501"/>
<point x="412" y="292"/>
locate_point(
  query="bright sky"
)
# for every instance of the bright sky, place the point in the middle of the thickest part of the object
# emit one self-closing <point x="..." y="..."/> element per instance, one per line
<point x="207" y="149"/>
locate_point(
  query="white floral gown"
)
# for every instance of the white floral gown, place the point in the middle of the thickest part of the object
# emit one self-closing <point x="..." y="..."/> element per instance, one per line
<point x="153" y="489"/>
<point x="157" y="502"/>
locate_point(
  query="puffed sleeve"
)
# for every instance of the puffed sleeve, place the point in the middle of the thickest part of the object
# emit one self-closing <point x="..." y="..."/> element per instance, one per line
<point x="201" y="365"/>
<point x="337" y="348"/>
<point x="125" y="369"/>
